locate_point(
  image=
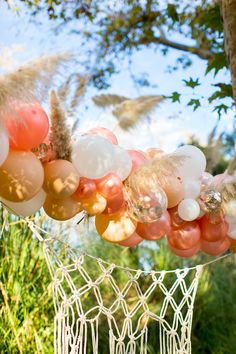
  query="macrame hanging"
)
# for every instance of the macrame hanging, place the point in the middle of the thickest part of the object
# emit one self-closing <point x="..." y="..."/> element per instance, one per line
<point x="80" y="304"/>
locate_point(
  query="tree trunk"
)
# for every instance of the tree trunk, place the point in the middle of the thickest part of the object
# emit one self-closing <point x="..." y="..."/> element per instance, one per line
<point x="228" y="11"/>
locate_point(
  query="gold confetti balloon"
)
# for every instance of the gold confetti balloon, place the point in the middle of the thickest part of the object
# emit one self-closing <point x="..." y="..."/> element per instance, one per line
<point x="61" y="178"/>
<point x="21" y="176"/>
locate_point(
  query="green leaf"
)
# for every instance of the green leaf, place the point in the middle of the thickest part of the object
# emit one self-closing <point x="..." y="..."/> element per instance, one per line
<point x="195" y="103"/>
<point x="172" y="13"/>
<point x="220" y="108"/>
<point x="192" y="83"/>
<point x="175" y="97"/>
<point x="216" y="63"/>
<point x="225" y="91"/>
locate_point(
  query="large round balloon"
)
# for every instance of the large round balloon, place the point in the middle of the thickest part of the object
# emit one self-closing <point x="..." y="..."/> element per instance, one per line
<point x="61" y="209"/>
<point x="104" y="132"/>
<point x="110" y="185"/>
<point x="115" y="228"/>
<point x="122" y="165"/>
<point x="61" y="178"/>
<point x="155" y="230"/>
<point x="213" y="232"/>
<point x="185" y="237"/>
<point x="186" y="253"/>
<point x="216" y="248"/>
<point x="27" y="208"/>
<point x="86" y="189"/>
<point x="194" y="163"/>
<point x="93" y="156"/>
<point x="21" y="176"/>
<point x="27" y="126"/>
<point x="173" y="187"/>
<point x="95" y="204"/>
<point x="4" y="150"/>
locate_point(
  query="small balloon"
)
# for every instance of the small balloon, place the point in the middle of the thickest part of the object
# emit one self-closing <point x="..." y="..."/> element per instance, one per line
<point x="132" y="241"/>
<point x="115" y="228"/>
<point x="21" y="176"/>
<point x="189" y="209"/>
<point x="176" y="220"/>
<point x="109" y="186"/>
<point x="210" y="200"/>
<point x="94" y="205"/>
<point x="216" y="248"/>
<point x="186" y="237"/>
<point x="206" y="178"/>
<point x="105" y="133"/>
<point x="155" y="230"/>
<point x="4" y="144"/>
<point x="213" y="232"/>
<point x="173" y="187"/>
<point x="27" y="208"/>
<point x="61" y="209"/>
<point x="190" y="252"/>
<point x="93" y="156"/>
<point x="192" y="189"/>
<point x="138" y="158"/>
<point x="27" y="125"/>
<point x="122" y="165"/>
<point x="86" y="189"/>
<point x="115" y="204"/>
<point x="193" y="165"/>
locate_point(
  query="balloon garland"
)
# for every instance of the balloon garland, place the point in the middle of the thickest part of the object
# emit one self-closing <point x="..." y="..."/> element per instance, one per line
<point x="134" y="195"/>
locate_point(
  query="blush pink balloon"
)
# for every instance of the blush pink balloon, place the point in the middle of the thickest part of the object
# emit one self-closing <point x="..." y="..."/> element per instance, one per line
<point x="109" y="186"/>
<point x="106" y="133"/>
<point x="155" y="230"/>
<point x="186" y="253"/>
<point x="216" y="248"/>
<point x="213" y="232"/>
<point x="176" y="220"/>
<point x="186" y="237"/>
<point x="222" y="177"/>
<point x="115" y="204"/>
<point x="28" y="126"/>
<point x="138" y="158"/>
<point x="132" y="241"/>
<point x="87" y="188"/>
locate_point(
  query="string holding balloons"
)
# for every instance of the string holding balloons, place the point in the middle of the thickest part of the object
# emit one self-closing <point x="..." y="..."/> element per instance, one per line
<point x="134" y="195"/>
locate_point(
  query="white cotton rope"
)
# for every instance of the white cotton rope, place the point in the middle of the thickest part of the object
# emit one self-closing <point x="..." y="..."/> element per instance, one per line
<point x="80" y="305"/>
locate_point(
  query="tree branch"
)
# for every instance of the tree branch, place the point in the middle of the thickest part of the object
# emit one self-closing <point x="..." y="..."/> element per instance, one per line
<point x="202" y="53"/>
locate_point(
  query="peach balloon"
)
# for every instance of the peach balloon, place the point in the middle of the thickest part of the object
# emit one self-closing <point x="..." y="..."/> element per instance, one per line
<point x="174" y="190"/>
<point x="216" y="248"/>
<point x="95" y="204"/>
<point x="27" y="125"/>
<point x="132" y="241"/>
<point x="61" y="209"/>
<point x="186" y="253"/>
<point x="176" y="220"/>
<point x="115" y="204"/>
<point x="152" y="153"/>
<point x="109" y="186"/>
<point x="156" y="229"/>
<point x="61" y="178"/>
<point x="104" y="132"/>
<point x="86" y="189"/>
<point x="213" y="232"/>
<point x="185" y="237"/>
<point x="115" y="228"/>
<point x="21" y="176"/>
<point x="138" y="158"/>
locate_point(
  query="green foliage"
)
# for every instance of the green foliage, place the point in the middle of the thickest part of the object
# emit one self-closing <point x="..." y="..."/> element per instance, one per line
<point x="192" y="83"/>
<point x="195" y="103"/>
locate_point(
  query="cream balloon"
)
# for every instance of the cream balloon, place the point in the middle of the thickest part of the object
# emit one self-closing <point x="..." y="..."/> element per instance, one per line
<point x="192" y="189"/>
<point x="194" y="163"/>
<point x="232" y="231"/>
<point x="4" y="141"/>
<point x="93" y="156"/>
<point x="189" y="209"/>
<point x="27" y="208"/>
<point x="122" y="165"/>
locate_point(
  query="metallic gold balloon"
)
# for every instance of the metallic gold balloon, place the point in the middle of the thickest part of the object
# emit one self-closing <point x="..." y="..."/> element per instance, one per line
<point x="21" y="176"/>
<point x="61" y="209"/>
<point x="61" y="179"/>
<point x="94" y="205"/>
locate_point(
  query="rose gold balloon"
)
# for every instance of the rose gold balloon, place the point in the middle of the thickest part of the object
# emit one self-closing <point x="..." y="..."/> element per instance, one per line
<point x="186" y="253"/>
<point x="132" y="241"/>
<point x="106" y="133"/>
<point x="61" y="179"/>
<point x="109" y="186"/>
<point x="115" y="204"/>
<point x="115" y="228"/>
<point x="216" y="248"/>
<point x="86" y="189"/>
<point x="212" y="232"/>
<point x="61" y="209"/>
<point x="185" y="237"/>
<point x="176" y="220"/>
<point x="95" y="204"/>
<point x="155" y="230"/>
<point x="233" y="245"/>
<point x="138" y="158"/>
<point x="21" y="176"/>
<point x="152" y="153"/>
<point x="174" y="190"/>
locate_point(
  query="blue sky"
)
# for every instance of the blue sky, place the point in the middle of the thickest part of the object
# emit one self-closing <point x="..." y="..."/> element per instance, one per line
<point x="22" y="40"/>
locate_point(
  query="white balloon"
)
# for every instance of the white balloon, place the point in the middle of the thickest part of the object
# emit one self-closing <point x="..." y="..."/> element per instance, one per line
<point x="189" y="209"/>
<point x="93" y="156"/>
<point x="4" y="144"/>
<point x="26" y="208"/>
<point x="194" y="164"/>
<point x="230" y="209"/>
<point x="232" y="231"/>
<point x="207" y="178"/>
<point x="191" y="189"/>
<point x="122" y="163"/>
